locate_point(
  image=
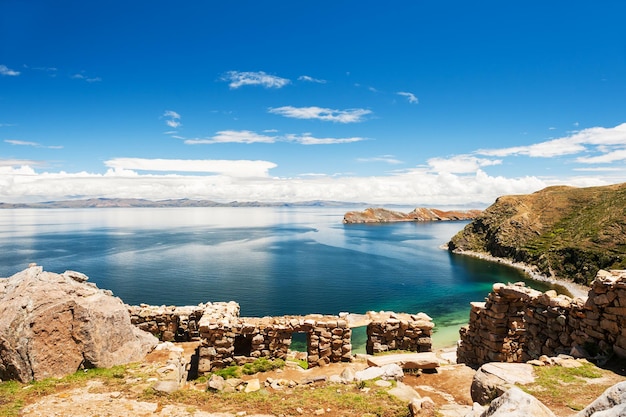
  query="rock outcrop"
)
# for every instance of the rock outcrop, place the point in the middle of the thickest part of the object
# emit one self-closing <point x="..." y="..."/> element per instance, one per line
<point x="495" y="378"/>
<point x="565" y="232"/>
<point x="516" y="403"/>
<point x="420" y="214"/>
<point x="54" y="324"/>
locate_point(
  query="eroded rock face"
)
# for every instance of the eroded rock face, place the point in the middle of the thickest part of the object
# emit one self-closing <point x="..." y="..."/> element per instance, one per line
<point x="53" y="324"/>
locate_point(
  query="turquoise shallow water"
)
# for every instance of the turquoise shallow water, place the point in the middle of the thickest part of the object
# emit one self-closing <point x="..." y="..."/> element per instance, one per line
<point x="273" y="261"/>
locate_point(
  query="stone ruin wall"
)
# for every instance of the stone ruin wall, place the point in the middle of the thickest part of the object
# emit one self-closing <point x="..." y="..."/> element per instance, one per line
<point x="517" y="324"/>
<point x="227" y="339"/>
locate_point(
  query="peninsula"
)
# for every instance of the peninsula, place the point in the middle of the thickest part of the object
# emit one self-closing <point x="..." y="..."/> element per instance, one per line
<point x="562" y="232"/>
<point x="420" y="214"/>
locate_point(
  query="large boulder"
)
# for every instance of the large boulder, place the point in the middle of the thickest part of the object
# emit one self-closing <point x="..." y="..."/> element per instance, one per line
<point x="516" y="403"/>
<point x="493" y="379"/>
<point x="612" y="402"/>
<point x="53" y="324"/>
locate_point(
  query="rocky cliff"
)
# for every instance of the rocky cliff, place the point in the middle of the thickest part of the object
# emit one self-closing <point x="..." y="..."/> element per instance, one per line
<point x="420" y="214"/>
<point x="565" y="232"/>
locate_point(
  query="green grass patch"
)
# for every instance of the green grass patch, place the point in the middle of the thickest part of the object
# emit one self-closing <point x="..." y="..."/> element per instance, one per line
<point x="259" y="365"/>
<point x="301" y="363"/>
<point x="561" y="382"/>
<point x="262" y="365"/>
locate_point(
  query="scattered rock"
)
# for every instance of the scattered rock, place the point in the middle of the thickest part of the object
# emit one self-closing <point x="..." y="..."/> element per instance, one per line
<point x="348" y="375"/>
<point x="166" y="387"/>
<point x="318" y="378"/>
<point x="391" y="371"/>
<point x="422" y="407"/>
<point x="404" y="392"/>
<point x="253" y="385"/>
<point x="216" y="383"/>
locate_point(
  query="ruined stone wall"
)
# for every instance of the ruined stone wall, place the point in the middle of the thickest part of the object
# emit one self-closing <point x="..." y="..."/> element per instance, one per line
<point x="179" y="323"/>
<point x="227" y="339"/>
<point x="516" y="324"/>
<point x="245" y="339"/>
<point x="411" y="332"/>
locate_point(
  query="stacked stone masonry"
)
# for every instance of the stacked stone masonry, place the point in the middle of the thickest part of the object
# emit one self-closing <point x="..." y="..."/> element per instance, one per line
<point x="410" y="332"/>
<point x="227" y="339"/>
<point x="516" y="324"/>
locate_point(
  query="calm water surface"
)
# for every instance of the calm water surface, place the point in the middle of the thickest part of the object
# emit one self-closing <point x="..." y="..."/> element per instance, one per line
<point x="272" y="261"/>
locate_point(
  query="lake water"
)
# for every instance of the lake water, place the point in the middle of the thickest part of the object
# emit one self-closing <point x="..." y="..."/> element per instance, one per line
<point x="272" y="261"/>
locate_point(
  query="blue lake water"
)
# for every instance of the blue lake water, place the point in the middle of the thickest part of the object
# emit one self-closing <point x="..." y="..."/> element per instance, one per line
<point x="272" y="261"/>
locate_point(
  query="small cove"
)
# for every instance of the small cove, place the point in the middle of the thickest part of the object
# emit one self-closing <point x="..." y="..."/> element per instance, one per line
<point x="272" y="261"/>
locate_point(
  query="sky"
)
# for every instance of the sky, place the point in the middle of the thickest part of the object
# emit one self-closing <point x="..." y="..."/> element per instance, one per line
<point x="423" y="103"/>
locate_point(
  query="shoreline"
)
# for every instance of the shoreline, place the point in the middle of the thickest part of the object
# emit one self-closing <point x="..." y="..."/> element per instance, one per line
<point x="575" y="290"/>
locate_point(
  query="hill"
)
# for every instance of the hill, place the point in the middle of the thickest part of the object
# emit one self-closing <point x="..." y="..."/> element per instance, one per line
<point x="565" y="232"/>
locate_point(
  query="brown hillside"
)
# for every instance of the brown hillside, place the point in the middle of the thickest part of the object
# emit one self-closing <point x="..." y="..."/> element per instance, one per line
<point x="566" y="232"/>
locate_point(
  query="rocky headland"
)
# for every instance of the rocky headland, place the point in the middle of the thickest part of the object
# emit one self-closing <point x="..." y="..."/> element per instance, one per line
<point x="559" y="232"/>
<point x="420" y="214"/>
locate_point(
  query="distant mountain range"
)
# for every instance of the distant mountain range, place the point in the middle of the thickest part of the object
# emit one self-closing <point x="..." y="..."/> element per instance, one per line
<point x="138" y="203"/>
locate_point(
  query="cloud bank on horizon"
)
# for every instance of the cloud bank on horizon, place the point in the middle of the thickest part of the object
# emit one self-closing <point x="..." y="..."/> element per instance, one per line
<point x="297" y="118"/>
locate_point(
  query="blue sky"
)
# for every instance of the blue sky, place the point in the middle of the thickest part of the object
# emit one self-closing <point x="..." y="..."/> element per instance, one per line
<point x="409" y="102"/>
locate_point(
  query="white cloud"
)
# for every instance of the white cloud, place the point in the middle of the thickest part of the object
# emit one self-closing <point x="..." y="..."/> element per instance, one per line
<point x="389" y="159"/>
<point x="460" y="164"/>
<point x="4" y="70"/>
<point x="619" y="155"/>
<point x="171" y="114"/>
<point x="311" y="79"/>
<point x="232" y="168"/>
<point x="18" y="163"/>
<point x="233" y="136"/>
<point x="33" y="144"/>
<point x="410" y="96"/>
<point x="600" y="138"/>
<point x="239" y="79"/>
<point x="307" y="139"/>
<point x="172" y="119"/>
<point x="320" y="113"/>
<point x="249" y="181"/>
<point x="247" y="137"/>
<point x="600" y="169"/>
<point x="80" y="76"/>
<point x="21" y="142"/>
